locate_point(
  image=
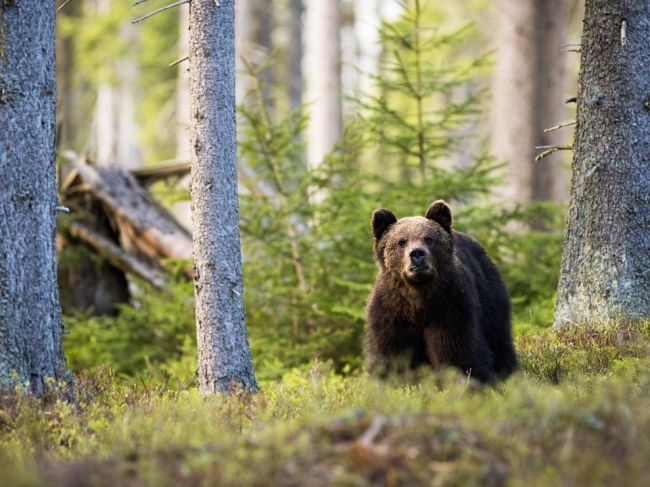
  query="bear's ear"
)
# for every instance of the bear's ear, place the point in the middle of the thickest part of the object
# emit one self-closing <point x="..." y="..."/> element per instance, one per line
<point x="440" y="213"/>
<point x="381" y="220"/>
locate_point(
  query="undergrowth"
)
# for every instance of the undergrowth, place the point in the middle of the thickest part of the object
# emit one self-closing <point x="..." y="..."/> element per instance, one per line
<point x="576" y="414"/>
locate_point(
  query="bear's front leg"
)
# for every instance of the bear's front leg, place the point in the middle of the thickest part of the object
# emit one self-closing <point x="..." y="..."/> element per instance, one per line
<point x="460" y="349"/>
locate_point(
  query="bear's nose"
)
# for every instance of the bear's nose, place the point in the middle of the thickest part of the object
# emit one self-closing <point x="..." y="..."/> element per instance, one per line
<point x="417" y="255"/>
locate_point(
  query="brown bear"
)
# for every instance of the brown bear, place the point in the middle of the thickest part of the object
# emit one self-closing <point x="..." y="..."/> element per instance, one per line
<point x="438" y="299"/>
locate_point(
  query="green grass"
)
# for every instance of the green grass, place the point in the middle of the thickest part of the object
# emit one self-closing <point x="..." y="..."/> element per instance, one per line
<point x="577" y="414"/>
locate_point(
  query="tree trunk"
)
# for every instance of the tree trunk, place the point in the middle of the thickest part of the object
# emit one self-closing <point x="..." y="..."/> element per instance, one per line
<point x="295" y="52"/>
<point x="605" y="274"/>
<point x="263" y="24"/>
<point x="127" y="151"/>
<point x="323" y="78"/>
<point x="64" y="80"/>
<point x="367" y="25"/>
<point x="183" y="87"/>
<point x="224" y="359"/>
<point x="30" y="317"/>
<point x="528" y="96"/>
<point x="116" y="127"/>
<point x="243" y="29"/>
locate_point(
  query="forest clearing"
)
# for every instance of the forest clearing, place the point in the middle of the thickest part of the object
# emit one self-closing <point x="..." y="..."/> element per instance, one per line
<point x="307" y="242"/>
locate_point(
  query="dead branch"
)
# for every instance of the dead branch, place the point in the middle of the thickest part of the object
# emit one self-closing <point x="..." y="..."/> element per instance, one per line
<point x="560" y="126"/>
<point x="115" y="255"/>
<point x="178" y="61"/>
<point x="162" y="170"/>
<point x="161" y="9"/>
<point x="368" y="436"/>
<point x="550" y="149"/>
<point x="573" y="99"/>
<point x="571" y="48"/>
<point x="62" y="5"/>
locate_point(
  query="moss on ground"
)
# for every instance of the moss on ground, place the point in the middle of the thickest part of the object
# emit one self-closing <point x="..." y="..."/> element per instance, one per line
<point x="577" y="414"/>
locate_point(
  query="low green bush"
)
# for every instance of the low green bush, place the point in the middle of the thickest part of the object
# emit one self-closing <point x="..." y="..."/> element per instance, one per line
<point x="316" y="427"/>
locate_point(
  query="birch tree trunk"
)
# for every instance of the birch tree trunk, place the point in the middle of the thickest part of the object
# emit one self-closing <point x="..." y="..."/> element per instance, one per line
<point x="528" y="96"/>
<point x="224" y="359"/>
<point x="30" y="317"/>
<point x="605" y="274"/>
<point x="323" y="78"/>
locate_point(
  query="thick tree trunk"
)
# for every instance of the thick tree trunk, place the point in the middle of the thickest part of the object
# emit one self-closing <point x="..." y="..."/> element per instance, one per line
<point x="528" y="96"/>
<point x="323" y="78"/>
<point x="30" y="317"/>
<point x="605" y="273"/>
<point x="224" y="359"/>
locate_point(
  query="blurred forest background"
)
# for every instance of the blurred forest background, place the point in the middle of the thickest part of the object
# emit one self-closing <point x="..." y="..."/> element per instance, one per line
<point x="343" y="107"/>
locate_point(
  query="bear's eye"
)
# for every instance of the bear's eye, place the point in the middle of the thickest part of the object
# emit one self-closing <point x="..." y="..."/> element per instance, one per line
<point x="428" y="241"/>
<point x="401" y="243"/>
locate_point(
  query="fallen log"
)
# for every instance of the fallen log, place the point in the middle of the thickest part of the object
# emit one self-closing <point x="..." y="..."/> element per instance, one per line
<point x="144" y="226"/>
<point x="115" y="255"/>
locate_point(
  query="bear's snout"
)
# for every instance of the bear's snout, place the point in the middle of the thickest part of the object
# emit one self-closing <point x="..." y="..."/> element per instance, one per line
<point x="418" y="257"/>
<point x="418" y="266"/>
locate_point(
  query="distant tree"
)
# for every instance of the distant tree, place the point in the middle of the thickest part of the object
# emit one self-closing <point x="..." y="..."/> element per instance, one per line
<point x="30" y="317"/>
<point x="115" y="127"/>
<point x="295" y="52"/>
<point x="605" y="274"/>
<point x="183" y="86"/>
<point x="223" y="353"/>
<point x="243" y="28"/>
<point x="528" y="95"/>
<point x="65" y="79"/>
<point x="323" y="78"/>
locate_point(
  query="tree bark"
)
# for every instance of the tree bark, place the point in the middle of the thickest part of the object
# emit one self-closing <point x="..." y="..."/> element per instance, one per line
<point x="30" y="317"/>
<point x="224" y="359"/>
<point x="605" y="274"/>
<point x="323" y="78"/>
<point x="528" y="96"/>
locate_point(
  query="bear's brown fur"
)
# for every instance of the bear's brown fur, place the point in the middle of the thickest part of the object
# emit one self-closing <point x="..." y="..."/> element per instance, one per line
<point x="438" y="299"/>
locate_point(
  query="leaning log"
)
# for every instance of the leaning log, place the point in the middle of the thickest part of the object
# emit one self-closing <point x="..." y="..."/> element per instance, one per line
<point x="115" y="255"/>
<point x="144" y="226"/>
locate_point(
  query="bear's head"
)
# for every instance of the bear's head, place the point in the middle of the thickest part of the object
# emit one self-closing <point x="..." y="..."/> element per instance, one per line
<point x="414" y="248"/>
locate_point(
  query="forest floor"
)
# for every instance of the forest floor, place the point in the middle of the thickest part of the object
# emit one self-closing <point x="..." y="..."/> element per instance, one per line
<point x="576" y="414"/>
